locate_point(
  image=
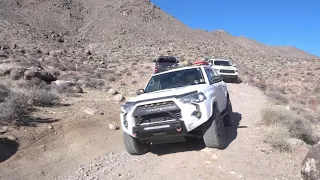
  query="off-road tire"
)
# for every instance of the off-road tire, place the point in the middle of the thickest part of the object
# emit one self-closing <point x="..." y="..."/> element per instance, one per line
<point x="134" y="146"/>
<point x="237" y="80"/>
<point x="227" y="119"/>
<point x="213" y="131"/>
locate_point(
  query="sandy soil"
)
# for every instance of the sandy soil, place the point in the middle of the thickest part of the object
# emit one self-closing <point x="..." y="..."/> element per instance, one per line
<point x="82" y="146"/>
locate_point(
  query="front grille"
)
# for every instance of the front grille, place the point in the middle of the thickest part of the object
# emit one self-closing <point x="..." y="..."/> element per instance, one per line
<point x="226" y="71"/>
<point x="156" y="105"/>
<point x="158" y="117"/>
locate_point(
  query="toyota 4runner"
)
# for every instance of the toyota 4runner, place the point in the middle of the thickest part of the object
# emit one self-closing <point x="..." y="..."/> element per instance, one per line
<point x="174" y="105"/>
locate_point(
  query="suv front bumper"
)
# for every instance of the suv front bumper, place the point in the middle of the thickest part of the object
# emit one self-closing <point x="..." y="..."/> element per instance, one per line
<point x="188" y="121"/>
<point x="164" y="131"/>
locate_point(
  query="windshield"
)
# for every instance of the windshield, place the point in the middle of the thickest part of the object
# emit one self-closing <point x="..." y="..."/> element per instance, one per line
<point x="175" y="79"/>
<point x="222" y="63"/>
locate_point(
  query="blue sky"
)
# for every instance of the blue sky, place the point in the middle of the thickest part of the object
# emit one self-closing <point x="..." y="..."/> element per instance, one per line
<point x="283" y="22"/>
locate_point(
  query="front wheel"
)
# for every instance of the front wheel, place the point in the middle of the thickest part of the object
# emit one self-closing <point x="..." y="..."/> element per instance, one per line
<point x="228" y="120"/>
<point x="134" y="146"/>
<point x="213" y="131"/>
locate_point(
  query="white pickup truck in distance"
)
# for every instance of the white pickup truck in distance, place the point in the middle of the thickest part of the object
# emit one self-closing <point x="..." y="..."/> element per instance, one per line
<point x="174" y="105"/>
<point x="225" y="68"/>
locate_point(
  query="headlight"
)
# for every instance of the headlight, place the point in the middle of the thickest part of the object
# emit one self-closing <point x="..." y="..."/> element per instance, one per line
<point x="193" y="98"/>
<point x="126" y="107"/>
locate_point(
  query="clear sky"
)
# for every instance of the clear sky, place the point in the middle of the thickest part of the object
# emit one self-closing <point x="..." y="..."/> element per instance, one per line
<point x="273" y="22"/>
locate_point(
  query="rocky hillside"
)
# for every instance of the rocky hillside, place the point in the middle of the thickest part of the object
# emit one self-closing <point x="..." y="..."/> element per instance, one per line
<point x="95" y="42"/>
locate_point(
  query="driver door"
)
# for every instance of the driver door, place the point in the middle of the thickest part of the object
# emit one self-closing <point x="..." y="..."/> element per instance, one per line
<point x="218" y="85"/>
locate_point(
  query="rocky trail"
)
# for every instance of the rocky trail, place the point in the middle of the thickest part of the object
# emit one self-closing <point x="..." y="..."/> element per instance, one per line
<point x="83" y="147"/>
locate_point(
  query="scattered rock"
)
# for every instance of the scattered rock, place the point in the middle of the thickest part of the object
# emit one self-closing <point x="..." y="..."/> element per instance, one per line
<point x="113" y="127"/>
<point x="112" y="92"/>
<point x="288" y="107"/>
<point x="118" y="98"/>
<point x="88" y="52"/>
<point x="62" y="82"/>
<point x="3" y="54"/>
<point x="55" y="53"/>
<point x="311" y="164"/>
<point x="294" y="143"/>
<point x="13" y="138"/>
<point x="299" y="153"/>
<point x="76" y="89"/>
<point x="50" y="127"/>
<point x="3" y="130"/>
<point x="90" y="111"/>
<point x="39" y="73"/>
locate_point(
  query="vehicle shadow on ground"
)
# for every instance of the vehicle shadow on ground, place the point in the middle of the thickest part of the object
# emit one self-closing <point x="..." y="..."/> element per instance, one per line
<point x="192" y="144"/>
<point x="195" y="144"/>
<point x="7" y="148"/>
<point x="34" y="121"/>
<point x="232" y="131"/>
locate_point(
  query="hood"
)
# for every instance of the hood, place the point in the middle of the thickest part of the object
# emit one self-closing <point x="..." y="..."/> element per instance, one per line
<point x="166" y="93"/>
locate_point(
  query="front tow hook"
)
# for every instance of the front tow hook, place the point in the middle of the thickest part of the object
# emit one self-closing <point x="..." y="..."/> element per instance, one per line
<point x="178" y="127"/>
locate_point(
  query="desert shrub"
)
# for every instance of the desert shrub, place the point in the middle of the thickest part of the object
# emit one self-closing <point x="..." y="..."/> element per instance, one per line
<point x="277" y="118"/>
<point x="276" y="135"/>
<point x="44" y="97"/>
<point x="260" y="84"/>
<point x="13" y="107"/>
<point x="148" y="67"/>
<point x="32" y="83"/>
<point x="67" y="88"/>
<point x="94" y="83"/>
<point x="316" y="90"/>
<point x="4" y="92"/>
<point x="278" y="98"/>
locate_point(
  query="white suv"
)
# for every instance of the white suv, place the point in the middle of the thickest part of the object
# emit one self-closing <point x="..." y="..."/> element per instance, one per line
<point x="225" y="68"/>
<point x="174" y="105"/>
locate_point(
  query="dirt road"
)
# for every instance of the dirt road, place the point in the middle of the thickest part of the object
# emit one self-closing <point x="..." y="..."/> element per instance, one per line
<point x="84" y="148"/>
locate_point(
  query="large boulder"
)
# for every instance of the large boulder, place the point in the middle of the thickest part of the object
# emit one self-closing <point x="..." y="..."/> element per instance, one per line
<point x="17" y="73"/>
<point x="294" y="143"/>
<point x="3" y="54"/>
<point x="311" y="164"/>
<point x="39" y="73"/>
<point x="118" y="97"/>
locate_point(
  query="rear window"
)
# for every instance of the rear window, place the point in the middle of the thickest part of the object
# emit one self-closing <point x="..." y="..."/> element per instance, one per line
<point x="222" y="63"/>
<point x="167" y="60"/>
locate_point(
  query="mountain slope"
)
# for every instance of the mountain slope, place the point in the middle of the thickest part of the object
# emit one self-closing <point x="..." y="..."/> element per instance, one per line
<point x="129" y="23"/>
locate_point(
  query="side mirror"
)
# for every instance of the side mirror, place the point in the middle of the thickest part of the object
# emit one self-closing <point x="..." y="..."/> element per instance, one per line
<point x="216" y="79"/>
<point x="140" y="91"/>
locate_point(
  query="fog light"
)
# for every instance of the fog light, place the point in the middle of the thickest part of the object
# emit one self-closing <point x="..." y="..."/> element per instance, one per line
<point x="197" y="114"/>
